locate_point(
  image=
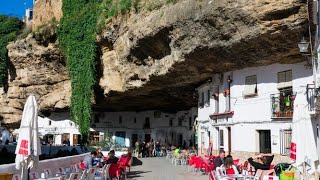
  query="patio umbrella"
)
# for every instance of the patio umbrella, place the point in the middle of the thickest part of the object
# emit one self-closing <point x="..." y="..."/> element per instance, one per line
<point x="303" y="144"/>
<point x="28" y="148"/>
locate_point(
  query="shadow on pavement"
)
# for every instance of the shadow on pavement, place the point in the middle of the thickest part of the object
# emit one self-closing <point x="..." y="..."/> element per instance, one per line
<point x="136" y="174"/>
<point x="136" y="162"/>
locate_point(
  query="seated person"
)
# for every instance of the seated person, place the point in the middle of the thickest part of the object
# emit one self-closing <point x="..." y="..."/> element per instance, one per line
<point x="88" y="160"/>
<point x="220" y="159"/>
<point x="263" y="161"/>
<point x="112" y="158"/>
<point x="228" y="166"/>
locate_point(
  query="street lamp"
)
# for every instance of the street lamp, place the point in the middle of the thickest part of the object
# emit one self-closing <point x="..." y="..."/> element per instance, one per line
<point x="303" y="46"/>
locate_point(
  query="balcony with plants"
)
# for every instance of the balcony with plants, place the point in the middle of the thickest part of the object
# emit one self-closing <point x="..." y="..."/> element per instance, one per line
<point x="282" y="105"/>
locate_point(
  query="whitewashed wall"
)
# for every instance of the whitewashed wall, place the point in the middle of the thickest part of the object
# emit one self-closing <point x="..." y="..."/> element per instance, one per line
<point x="160" y="129"/>
<point x="251" y="114"/>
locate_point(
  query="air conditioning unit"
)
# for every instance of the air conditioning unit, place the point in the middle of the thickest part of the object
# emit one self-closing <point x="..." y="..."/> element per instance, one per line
<point x="217" y="79"/>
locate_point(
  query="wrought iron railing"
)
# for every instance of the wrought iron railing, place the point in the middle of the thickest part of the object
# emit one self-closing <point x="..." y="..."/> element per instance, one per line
<point x="282" y="105"/>
<point x="311" y="97"/>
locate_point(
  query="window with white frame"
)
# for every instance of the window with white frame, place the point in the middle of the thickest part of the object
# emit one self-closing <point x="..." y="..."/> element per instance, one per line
<point x="221" y="139"/>
<point x="284" y="79"/>
<point x="250" y="88"/>
<point x="285" y="141"/>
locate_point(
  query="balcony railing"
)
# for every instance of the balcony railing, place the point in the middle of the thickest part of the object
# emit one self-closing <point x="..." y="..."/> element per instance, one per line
<point x="282" y="105"/>
<point x="311" y="97"/>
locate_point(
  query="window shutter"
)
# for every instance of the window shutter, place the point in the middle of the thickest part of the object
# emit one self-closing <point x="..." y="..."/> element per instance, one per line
<point x="250" y="86"/>
<point x="284" y="79"/>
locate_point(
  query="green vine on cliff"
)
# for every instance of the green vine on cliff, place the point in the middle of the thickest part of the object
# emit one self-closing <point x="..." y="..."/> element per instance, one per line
<point x="77" y="37"/>
<point x="9" y="29"/>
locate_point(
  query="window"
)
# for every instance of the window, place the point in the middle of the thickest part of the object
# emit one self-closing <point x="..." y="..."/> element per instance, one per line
<point x="135" y="120"/>
<point x="49" y="123"/>
<point x="120" y="119"/>
<point x="147" y="123"/>
<point x="284" y="79"/>
<point x="170" y="122"/>
<point x="201" y="103"/>
<point x="282" y="103"/>
<point x="250" y="88"/>
<point x="190" y="123"/>
<point x="96" y="118"/>
<point x="179" y="121"/>
<point x="285" y="141"/>
<point x="221" y="140"/>
<point x="265" y="141"/>
<point x="208" y="98"/>
<point x="216" y="100"/>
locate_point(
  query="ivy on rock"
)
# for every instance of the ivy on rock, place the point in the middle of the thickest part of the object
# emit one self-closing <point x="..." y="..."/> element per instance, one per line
<point x="77" y="38"/>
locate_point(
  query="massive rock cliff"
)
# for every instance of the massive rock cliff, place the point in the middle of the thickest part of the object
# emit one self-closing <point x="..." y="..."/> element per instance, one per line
<point x="155" y="59"/>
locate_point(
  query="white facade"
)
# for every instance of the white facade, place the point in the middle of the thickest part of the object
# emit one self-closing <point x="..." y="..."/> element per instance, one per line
<point x="249" y="123"/>
<point x="164" y="127"/>
<point x="125" y="127"/>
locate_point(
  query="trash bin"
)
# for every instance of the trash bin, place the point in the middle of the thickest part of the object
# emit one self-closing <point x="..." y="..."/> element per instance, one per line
<point x="6" y="176"/>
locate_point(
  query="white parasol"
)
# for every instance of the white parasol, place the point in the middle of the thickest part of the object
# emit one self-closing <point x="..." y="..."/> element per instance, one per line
<point x="28" y="148"/>
<point x="303" y="144"/>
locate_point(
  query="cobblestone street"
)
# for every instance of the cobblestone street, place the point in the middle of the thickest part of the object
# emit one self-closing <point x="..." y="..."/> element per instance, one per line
<point x="162" y="169"/>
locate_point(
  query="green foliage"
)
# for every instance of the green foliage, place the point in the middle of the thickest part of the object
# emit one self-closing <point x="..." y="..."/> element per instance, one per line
<point x="77" y="37"/>
<point x="9" y="29"/>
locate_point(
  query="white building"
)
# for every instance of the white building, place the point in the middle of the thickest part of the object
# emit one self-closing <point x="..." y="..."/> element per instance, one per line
<point x="250" y="110"/>
<point x="124" y="127"/>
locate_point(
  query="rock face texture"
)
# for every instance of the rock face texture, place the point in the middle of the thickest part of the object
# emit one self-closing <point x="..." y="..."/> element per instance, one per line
<point x="156" y="59"/>
<point x="35" y="69"/>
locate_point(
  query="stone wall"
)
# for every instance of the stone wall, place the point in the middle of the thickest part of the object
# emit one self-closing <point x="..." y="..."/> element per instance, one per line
<point x="45" y="11"/>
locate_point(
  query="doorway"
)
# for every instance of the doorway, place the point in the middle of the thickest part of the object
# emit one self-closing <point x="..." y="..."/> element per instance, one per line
<point x="229" y="140"/>
<point x="265" y="141"/>
<point x="180" y="139"/>
<point x="120" y="138"/>
<point x="147" y="138"/>
<point x="76" y="139"/>
<point x="134" y="139"/>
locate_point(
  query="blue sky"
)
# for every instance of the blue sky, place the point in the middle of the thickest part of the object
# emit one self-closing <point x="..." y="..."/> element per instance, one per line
<point x="14" y="7"/>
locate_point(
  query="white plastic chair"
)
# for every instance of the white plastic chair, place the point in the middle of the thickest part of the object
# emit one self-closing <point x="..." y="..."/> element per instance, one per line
<point x="61" y="171"/>
<point x="84" y="175"/>
<point x="34" y="175"/>
<point x="270" y="178"/>
<point x="104" y="173"/>
<point x="74" y="176"/>
<point x="48" y="173"/>
<point x="91" y="174"/>
<point x="16" y="177"/>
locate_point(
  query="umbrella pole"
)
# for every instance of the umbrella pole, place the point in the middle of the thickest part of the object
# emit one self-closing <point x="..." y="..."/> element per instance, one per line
<point x="28" y="173"/>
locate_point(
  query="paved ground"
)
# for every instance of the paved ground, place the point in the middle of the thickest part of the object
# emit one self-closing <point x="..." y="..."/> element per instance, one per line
<point x="162" y="169"/>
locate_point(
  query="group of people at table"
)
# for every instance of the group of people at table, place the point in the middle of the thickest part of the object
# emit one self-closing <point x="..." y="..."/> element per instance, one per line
<point x="229" y="167"/>
<point x="97" y="159"/>
<point x="226" y="165"/>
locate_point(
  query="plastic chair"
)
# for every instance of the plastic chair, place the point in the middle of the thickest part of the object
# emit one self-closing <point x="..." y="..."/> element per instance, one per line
<point x="84" y="175"/>
<point x="16" y="177"/>
<point x="270" y="178"/>
<point x="48" y="173"/>
<point x="63" y="177"/>
<point x="236" y="161"/>
<point x="34" y="175"/>
<point x="91" y="173"/>
<point x="61" y="171"/>
<point x="74" y="176"/>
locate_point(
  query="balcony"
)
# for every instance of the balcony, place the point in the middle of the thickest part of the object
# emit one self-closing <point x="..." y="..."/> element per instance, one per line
<point x="282" y="104"/>
<point x="311" y="97"/>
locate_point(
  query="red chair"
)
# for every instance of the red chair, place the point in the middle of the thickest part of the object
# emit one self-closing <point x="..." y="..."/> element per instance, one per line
<point x="114" y="170"/>
<point x="236" y="162"/>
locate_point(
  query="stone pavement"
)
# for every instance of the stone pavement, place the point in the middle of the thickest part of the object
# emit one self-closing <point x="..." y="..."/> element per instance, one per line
<point x="162" y="169"/>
